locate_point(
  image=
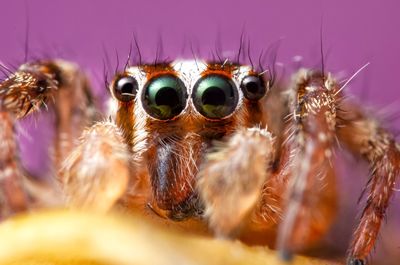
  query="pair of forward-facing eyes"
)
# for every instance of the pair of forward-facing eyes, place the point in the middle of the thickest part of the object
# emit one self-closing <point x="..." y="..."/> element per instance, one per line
<point x="164" y="97"/>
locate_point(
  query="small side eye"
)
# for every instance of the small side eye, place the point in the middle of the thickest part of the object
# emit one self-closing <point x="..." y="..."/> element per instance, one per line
<point x="215" y="96"/>
<point x="125" y="88"/>
<point x="253" y="87"/>
<point x="164" y="97"/>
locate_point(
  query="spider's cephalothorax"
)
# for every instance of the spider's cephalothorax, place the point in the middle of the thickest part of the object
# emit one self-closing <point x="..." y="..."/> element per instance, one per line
<point x="193" y="143"/>
<point x="171" y="113"/>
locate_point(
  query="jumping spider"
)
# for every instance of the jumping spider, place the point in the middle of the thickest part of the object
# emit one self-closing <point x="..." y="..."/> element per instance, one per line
<point x="206" y="146"/>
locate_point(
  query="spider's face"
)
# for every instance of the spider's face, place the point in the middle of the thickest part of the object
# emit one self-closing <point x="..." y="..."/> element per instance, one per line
<point x="170" y="113"/>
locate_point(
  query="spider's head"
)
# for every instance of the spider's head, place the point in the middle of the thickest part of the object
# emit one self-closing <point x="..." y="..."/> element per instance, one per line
<point x="170" y="115"/>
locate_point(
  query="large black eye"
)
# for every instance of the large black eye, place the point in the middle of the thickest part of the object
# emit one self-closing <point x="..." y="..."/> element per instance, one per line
<point x="164" y="97"/>
<point x="215" y="96"/>
<point x="125" y="88"/>
<point x="253" y="87"/>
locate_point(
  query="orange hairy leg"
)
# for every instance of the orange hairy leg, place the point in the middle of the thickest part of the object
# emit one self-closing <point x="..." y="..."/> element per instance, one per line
<point x="310" y="203"/>
<point x="231" y="180"/>
<point x="102" y="167"/>
<point x="74" y="109"/>
<point x="366" y="137"/>
<point x="12" y="194"/>
<point x="55" y="84"/>
<point x="96" y="174"/>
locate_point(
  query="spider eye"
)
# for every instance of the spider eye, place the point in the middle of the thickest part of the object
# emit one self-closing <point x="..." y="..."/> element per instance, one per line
<point x="125" y="88"/>
<point x="164" y="97"/>
<point x="215" y="96"/>
<point x="253" y="87"/>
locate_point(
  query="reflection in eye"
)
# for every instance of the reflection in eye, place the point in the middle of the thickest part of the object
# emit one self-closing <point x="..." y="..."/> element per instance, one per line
<point x="215" y="96"/>
<point x="125" y="88"/>
<point x="253" y="87"/>
<point x="164" y="97"/>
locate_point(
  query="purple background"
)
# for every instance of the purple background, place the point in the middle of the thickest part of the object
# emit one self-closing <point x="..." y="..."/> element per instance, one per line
<point x="354" y="32"/>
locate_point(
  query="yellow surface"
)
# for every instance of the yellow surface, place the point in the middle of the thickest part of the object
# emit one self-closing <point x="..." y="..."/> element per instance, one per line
<point x="65" y="237"/>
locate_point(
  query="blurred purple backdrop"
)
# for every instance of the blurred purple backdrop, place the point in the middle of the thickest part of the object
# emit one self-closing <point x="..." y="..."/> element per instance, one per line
<point x="354" y="33"/>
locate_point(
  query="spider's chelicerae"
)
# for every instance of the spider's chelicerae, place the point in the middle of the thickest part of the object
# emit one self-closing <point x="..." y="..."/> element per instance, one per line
<point x="206" y="146"/>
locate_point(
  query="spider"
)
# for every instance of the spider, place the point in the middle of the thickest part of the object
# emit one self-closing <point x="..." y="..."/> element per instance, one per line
<point x="211" y="147"/>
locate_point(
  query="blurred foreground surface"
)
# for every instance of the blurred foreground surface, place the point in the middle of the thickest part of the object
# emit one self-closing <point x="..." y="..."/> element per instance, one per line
<point x="65" y="237"/>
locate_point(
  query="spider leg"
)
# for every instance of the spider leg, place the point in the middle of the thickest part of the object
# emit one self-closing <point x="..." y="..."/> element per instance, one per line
<point x="74" y="109"/>
<point x="96" y="174"/>
<point x="55" y="84"/>
<point x="231" y="180"/>
<point x="310" y="204"/>
<point x="13" y="198"/>
<point x="366" y="137"/>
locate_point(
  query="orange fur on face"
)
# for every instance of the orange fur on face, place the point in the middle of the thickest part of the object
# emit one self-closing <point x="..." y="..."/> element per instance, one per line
<point x="154" y="70"/>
